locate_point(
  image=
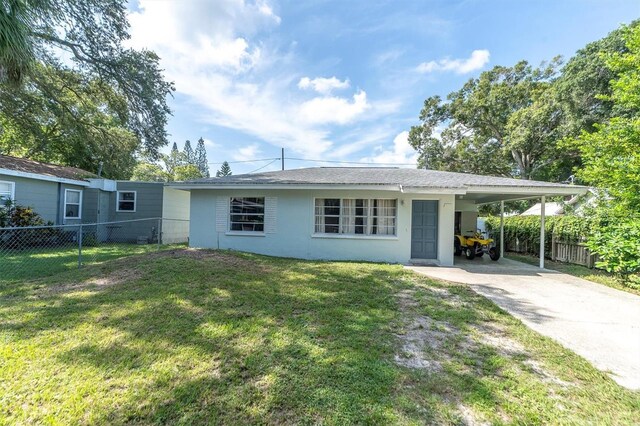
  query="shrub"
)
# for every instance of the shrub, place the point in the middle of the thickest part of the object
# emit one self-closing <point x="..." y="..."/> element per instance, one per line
<point x="526" y="229"/>
<point x="617" y="242"/>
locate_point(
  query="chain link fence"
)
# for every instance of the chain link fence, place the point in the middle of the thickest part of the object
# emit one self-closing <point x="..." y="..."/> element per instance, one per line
<point x="37" y="251"/>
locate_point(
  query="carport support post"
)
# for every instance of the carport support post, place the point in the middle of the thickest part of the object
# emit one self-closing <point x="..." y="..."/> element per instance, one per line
<point x="543" y="200"/>
<point x="502" y="229"/>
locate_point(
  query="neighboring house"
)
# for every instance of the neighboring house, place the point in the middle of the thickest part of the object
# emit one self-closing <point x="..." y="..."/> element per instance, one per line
<point x="574" y="204"/>
<point x="377" y="214"/>
<point x="68" y="196"/>
<point x="54" y="192"/>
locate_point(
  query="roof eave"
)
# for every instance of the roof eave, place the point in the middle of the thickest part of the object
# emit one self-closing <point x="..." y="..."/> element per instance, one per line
<point x="38" y="176"/>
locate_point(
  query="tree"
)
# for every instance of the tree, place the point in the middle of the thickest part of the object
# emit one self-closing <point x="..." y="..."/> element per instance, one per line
<point x="149" y="172"/>
<point x="611" y="160"/>
<point x="91" y="33"/>
<point x="225" y="170"/>
<point x="186" y="172"/>
<point x="189" y="155"/>
<point x="69" y="119"/>
<point x="201" y="158"/>
<point x="482" y="132"/>
<point x="172" y="161"/>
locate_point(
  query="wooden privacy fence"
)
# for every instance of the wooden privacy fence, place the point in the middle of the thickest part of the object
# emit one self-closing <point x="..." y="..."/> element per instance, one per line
<point x="572" y="252"/>
<point x="562" y="251"/>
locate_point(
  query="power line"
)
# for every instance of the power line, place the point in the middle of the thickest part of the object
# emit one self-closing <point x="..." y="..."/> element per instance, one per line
<point x="274" y="159"/>
<point x="349" y="162"/>
<point x="266" y="165"/>
<point x="247" y="161"/>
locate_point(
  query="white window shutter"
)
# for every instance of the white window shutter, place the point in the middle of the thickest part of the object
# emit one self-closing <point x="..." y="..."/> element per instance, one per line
<point x="222" y="213"/>
<point x="270" y="215"/>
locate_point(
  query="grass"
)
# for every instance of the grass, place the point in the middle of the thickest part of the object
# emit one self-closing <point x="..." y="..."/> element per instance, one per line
<point x="210" y="337"/>
<point x="18" y="265"/>
<point x="594" y="275"/>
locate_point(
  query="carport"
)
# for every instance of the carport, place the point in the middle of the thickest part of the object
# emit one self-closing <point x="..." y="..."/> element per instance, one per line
<point x="476" y="196"/>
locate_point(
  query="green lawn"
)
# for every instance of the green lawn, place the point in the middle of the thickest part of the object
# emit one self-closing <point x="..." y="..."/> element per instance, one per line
<point x="206" y="337"/>
<point x="595" y="275"/>
<point x="17" y="265"/>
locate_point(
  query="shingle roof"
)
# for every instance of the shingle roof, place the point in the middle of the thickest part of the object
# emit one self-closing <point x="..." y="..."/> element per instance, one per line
<point x="52" y="170"/>
<point x="372" y="176"/>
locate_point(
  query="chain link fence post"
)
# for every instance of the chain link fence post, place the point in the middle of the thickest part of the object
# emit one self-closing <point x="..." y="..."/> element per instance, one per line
<point x="80" y="247"/>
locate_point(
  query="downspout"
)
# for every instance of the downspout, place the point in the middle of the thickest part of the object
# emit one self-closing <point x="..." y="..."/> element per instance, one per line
<point x="543" y="201"/>
<point x="59" y="205"/>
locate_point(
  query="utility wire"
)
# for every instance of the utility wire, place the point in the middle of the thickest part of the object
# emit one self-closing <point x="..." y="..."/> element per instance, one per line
<point x="349" y="162"/>
<point x="272" y="160"/>
<point x="247" y="161"/>
<point x="266" y="165"/>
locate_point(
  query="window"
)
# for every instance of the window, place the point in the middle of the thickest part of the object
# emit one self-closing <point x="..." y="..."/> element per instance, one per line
<point x="247" y="214"/>
<point x="126" y="201"/>
<point x="7" y="190"/>
<point x="355" y="216"/>
<point x="72" y="203"/>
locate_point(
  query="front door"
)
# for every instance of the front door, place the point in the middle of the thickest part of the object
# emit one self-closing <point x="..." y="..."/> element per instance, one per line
<point x="424" y="229"/>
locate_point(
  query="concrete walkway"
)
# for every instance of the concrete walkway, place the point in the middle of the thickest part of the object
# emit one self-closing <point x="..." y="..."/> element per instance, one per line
<point x="597" y="322"/>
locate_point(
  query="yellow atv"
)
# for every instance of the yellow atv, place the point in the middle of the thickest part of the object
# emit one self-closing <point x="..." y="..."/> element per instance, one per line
<point x="475" y="245"/>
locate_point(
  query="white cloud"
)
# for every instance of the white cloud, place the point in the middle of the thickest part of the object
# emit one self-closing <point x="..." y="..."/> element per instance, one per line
<point x="400" y="153"/>
<point x="477" y="60"/>
<point x="217" y="56"/>
<point x="325" y="110"/>
<point x="323" y="85"/>
<point x="247" y="153"/>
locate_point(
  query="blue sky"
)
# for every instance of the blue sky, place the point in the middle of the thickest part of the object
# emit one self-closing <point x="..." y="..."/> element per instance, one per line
<point x="341" y="80"/>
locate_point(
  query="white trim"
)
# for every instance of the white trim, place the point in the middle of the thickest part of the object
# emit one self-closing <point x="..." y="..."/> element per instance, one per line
<point x="528" y="190"/>
<point x="12" y="197"/>
<point x="356" y="236"/>
<point x="245" y="233"/>
<point x="38" y="176"/>
<point x="79" y="204"/>
<point x="135" y="201"/>
<point x="339" y="234"/>
<point x="230" y="223"/>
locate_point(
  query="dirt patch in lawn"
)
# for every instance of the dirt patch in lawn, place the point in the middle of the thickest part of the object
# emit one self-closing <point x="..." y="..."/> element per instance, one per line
<point x="223" y="258"/>
<point x="120" y="270"/>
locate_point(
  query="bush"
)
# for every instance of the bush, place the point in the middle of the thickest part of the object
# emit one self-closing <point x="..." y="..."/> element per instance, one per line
<point x="617" y="242"/>
<point x="15" y="215"/>
<point x="526" y="229"/>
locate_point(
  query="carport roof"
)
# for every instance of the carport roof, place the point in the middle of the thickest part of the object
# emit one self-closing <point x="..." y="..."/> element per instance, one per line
<point x="404" y="180"/>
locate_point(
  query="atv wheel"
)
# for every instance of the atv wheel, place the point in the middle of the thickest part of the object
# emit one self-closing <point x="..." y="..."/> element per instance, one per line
<point x="470" y="253"/>
<point x="457" y="248"/>
<point x="494" y="254"/>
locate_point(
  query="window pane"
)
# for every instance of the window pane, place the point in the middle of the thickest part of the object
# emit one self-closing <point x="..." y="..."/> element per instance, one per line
<point x="72" y="210"/>
<point x="127" y="196"/>
<point x="73" y="197"/>
<point x="247" y="214"/>
<point x="126" y="205"/>
<point x="5" y="188"/>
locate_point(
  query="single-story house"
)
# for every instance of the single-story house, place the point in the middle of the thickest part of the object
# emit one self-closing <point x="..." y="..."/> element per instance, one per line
<point x="340" y="213"/>
<point x="575" y="204"/>
<point x="70" y="196"/>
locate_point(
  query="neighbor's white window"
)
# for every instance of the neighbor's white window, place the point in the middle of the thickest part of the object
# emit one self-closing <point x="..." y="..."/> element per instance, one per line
<point x="126" y="201"/>
<point x="246" y="214"/>
<point x="355" y="216"/>
<point x="72" y="203"/>
<point x="7" y="190"/>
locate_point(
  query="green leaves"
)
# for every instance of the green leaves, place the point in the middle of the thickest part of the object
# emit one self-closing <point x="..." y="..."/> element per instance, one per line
<point x="123" y="89"/>
<point x="617" y="246"/>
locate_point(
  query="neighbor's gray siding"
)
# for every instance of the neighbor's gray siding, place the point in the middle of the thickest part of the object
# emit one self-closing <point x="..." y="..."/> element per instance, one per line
<point x="46" y="198"/>
<point x="90" y="205"/>
<point x="148" y="205"/>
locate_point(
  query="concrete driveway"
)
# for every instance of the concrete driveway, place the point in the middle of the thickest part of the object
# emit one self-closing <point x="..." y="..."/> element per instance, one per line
<point x="597" y="322"/>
